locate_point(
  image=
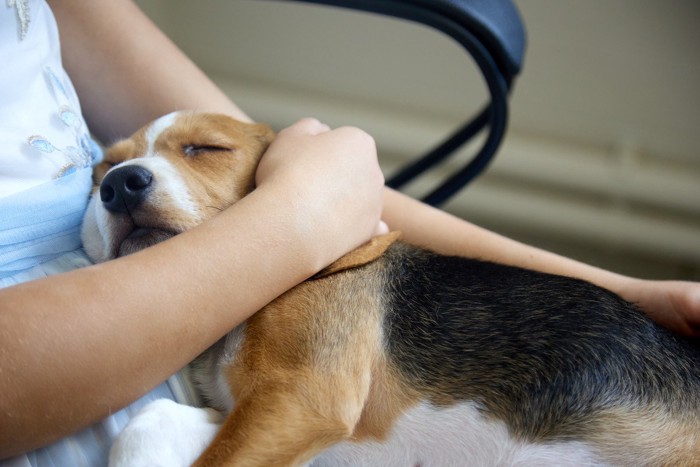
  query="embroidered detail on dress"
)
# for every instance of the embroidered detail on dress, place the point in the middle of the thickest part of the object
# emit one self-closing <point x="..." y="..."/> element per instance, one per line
<point x="23" y="15"/>
<point x="73" y="157"/>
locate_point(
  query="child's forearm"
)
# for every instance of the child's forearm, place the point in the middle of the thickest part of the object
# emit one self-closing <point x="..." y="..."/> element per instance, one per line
<point x="442" y="232"/>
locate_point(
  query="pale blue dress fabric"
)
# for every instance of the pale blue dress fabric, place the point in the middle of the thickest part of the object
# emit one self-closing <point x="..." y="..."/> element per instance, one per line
<point x="40" y="223"/>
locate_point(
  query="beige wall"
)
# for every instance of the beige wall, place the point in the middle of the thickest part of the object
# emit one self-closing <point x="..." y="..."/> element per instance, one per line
<point x="601" y="161"/>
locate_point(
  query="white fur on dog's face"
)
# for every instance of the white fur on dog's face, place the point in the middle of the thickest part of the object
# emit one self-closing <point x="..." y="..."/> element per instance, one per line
<point x="201" y="164"/>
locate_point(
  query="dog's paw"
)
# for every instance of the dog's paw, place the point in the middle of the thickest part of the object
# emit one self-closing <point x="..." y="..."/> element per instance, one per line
<point x="165" y="433"/>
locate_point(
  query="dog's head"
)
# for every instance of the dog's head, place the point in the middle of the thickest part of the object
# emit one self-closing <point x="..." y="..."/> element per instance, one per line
<point x="168" y="177"/>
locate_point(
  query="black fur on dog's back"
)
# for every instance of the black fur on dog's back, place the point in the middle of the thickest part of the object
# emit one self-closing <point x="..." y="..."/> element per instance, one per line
<point x="542" y="353"/>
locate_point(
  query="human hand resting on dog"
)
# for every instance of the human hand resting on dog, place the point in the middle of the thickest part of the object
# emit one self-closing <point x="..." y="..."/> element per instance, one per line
<point x="333" y="168"/>
<point x="673" y="304"/>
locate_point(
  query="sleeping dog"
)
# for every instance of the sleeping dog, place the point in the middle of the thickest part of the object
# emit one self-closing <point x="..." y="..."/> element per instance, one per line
<point x="394" y="355"/>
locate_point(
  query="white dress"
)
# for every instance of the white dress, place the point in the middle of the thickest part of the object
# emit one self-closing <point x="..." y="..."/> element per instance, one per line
<point x="46" y="159"/>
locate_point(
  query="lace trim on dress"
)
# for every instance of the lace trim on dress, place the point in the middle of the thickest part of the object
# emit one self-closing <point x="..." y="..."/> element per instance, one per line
<point x="23" y="15"/>
<point x="73" y="157"/>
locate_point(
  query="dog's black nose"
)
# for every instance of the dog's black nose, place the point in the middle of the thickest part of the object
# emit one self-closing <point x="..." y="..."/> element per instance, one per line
<point x="124" y="188"/>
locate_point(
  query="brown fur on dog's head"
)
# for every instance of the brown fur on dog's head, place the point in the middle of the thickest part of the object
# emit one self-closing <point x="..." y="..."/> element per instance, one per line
<point x="199" y="164"/>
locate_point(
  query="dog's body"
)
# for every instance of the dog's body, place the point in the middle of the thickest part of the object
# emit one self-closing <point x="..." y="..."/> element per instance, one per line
<point x="396" y="355"/>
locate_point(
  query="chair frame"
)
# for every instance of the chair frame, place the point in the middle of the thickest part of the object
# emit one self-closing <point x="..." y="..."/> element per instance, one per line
<point x="491" y="31"/>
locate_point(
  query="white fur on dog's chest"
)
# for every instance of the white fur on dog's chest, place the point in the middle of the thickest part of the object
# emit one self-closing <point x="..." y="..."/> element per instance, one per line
<point x="456" y="436"/>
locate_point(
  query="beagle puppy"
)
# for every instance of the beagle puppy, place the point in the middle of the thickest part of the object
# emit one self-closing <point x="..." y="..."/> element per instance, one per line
<point x="394" y="355"/>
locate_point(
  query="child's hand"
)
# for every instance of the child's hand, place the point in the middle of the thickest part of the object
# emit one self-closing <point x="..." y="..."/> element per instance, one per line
<point x="673" y="304"/>
<point x="336" y="177"/>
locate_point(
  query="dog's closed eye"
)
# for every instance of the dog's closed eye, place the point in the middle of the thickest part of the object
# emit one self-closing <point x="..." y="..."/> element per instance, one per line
<point x="196" y="149"/>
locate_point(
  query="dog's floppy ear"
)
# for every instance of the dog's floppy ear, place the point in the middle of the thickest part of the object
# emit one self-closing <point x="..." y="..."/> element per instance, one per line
<point x="264" y="133"/>
<point x="362" y="255"/>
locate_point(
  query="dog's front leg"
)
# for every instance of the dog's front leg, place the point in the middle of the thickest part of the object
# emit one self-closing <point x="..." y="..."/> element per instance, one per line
<point x="302" y="377"/>
<point x="278" y="427"/>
